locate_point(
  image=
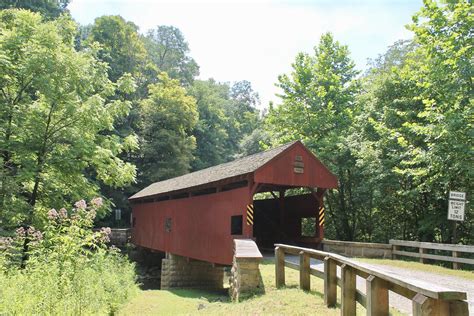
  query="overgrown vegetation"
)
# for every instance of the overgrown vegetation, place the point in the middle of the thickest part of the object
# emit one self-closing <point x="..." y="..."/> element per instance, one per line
<point x="67" y="268"/>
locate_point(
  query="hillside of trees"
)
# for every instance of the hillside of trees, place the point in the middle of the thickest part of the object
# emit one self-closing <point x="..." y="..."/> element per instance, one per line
<point x="106" y="109"/>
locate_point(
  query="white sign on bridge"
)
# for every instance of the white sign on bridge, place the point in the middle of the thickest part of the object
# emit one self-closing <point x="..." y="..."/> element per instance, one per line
<point x="457" y="203"/>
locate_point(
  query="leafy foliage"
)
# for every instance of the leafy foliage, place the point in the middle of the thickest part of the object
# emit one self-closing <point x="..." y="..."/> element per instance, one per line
<point x="169" y="51"/>
<point x="48" y="8"/>
<point x="168" y="117"/>
<point x="318" y="108"/>
<point x="58" y="107"/>
<point x="69" y="270"/>
<point x="399" y="138"/>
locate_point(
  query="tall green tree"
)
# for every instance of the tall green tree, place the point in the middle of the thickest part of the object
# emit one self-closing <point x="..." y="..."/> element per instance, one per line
<point x="243" y="115"/>
<point x="169" y="51"/>
<point x="58" y="108"/>
<point x="50" y="9"/>
<point x="318" y="106"/>
<point x="211" y="129"/>
<point x="416" y="127"/>
<point x="168" y="117"/>
<point x="122" y="48"/>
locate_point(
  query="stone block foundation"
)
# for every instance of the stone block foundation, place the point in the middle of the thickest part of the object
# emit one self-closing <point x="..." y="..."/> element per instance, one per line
<point x="181" y="272"/>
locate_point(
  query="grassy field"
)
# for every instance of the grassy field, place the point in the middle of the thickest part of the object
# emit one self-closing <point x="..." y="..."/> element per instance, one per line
<point x="288" y="301"/>
<point x="422" y="267"/>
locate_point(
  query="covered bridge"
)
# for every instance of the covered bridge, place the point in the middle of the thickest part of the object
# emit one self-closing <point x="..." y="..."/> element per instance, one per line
<point x="198" y="215"/>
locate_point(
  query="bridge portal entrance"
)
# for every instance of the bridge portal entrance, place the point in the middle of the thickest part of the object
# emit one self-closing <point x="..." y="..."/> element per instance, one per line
<point x="291" y="219"/>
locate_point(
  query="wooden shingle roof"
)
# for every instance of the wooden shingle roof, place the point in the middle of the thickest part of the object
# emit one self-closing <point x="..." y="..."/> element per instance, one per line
<point x="223" y="171"/>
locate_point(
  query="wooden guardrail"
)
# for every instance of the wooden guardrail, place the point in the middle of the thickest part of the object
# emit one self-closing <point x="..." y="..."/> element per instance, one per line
<point x="427" y="298"/>
<point x="358" y="249"/>
<point x="423" y="255"/>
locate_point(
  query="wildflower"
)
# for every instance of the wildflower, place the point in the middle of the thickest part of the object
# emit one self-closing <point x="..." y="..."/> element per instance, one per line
<point x="34" y="234"/>
<point x="97" y="202"/>
<point x="20" y="232"/>
<point x="7" y="242"/>
<point x="63" y="213"/>
<point x="105" y="232"/>
<point x="38" y="235"/>
<point x="81" y="205"/>
<point x="52" y="214"/>
<point x="31" y="230"/>
<point x="92" y="214"/>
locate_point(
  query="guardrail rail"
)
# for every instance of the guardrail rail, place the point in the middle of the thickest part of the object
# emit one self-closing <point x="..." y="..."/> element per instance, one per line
<point x="427" y="298"/>
<point x="422" y="254"/>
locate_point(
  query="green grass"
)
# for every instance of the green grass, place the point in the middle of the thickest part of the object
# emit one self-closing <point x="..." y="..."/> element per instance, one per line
<point x="422" y="267"/>
<point x="287" y="301"/>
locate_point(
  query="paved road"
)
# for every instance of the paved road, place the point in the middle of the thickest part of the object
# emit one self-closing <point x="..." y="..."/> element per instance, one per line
<point x="399" y="302"/>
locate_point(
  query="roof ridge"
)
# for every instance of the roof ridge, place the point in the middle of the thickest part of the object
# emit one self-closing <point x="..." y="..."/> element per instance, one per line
<point x="232" y="161"/>
<point x="259" y="159"/>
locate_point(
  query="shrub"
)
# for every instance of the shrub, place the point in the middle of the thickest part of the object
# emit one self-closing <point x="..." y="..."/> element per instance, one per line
<point x="68" y="268"/>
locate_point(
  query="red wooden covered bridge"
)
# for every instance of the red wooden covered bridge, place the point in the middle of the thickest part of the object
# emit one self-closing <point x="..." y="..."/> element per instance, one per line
<point x="198" y="215"/>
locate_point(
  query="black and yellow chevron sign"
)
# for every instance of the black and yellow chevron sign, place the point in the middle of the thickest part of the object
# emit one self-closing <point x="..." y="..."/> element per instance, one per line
<point x="250" y="214"/>
<point x="321" y="216"/>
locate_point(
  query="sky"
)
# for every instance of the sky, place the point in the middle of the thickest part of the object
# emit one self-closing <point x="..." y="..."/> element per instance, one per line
<point x="259" y="40"/>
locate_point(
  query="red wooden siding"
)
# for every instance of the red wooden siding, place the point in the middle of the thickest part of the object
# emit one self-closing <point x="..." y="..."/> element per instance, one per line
<point x="200" y="226"/>
<point x="280" y="170"/>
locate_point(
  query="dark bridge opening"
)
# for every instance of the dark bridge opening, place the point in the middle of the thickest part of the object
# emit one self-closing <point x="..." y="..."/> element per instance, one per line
<point x="291" y="218"/>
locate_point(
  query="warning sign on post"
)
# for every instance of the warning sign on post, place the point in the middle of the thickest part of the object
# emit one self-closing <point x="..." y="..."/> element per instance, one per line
<point x="457" y="203"/>
<point x="456" y="210"/>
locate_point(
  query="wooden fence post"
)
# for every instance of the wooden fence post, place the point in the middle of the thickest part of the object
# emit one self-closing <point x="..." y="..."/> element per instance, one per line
<point x="348" y="297"/>
<point x="377" y="296"/>
<point x="279" y="267"/>
<point x="394" y="248"/>
<point x="456" y="265"/>
<point x="305" y="276"/>
<point x="422" y="251"/>
<point x="330" y="282"/>
<point x="425" y="306"/>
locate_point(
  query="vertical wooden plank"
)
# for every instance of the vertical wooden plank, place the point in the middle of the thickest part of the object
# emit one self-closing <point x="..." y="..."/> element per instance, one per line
<point x="422" y="251"/>
<point x="456" y="265"/>
<point x="425" y="306"/>
<point x="305" y="276"/>
<point x="279" y="267"/>
<point x="330" y="282"/>
<point x="377" y="296"/>
<point x="348" y="297"/>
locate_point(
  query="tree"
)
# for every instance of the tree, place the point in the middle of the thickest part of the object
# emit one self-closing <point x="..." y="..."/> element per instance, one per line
<point x="211" y="129"/>
<point x="122" y="47"/>
<point x="58" y="108"/>
<point x="243" y="115"/>
<point x="169" y="51"/>
<point x="414" y="139"/>
<point x="318" y="105"/>
<point x="168" y="117"/>
<point x="50" y="9"/>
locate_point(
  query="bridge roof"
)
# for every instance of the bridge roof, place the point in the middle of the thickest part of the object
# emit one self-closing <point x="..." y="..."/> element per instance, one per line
<point x="223" y="171"/>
